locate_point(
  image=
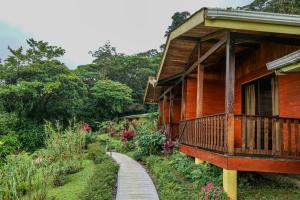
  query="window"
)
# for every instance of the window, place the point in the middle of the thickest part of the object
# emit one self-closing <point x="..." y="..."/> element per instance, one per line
<point x="260" y="97"/>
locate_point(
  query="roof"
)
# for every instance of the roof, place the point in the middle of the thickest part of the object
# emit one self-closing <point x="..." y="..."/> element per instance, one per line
<point x="288" y="63"/>
<point x="137" y="116"/>
<point x="207" y="22"/>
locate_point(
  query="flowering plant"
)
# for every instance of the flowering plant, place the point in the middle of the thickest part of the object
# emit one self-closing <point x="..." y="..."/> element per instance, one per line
<point x="168" y="146"/>
<point x="86" y="127"/>
<point x="127" y="135"/>
<point x="211" y="192"/>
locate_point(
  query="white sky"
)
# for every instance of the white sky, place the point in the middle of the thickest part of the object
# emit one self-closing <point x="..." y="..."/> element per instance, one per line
<point x="83" y="25"/>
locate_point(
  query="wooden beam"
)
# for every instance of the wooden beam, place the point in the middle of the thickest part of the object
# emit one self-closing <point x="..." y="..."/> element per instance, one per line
<point x="200" y="77"/>
<point x="171" y="108"/>
<point x="199" y="61"/>
<point x="164" y="110"/>
<point x="229" y="93"/>
<point x="183" y="100"/>
<point x="266" y="38"/>
<point x="213" y="35"/>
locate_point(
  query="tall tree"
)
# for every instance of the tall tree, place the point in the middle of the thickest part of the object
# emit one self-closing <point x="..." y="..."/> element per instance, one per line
<point x="177" y="19"/>
<point x="277" y="6"/>
<point x="35" y="85"/>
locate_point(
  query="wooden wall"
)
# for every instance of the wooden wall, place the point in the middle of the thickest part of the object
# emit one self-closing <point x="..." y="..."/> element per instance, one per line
<point x="176" y="110"/>
<point x="214" y="90"/>
<point x="289" y="96"/>
<point x="253" y="66"/>
<point x="190" y="98"/>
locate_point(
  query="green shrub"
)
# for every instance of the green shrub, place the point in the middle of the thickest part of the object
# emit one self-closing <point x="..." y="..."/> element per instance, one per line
<point x="31" y="136"/>
<point x="20" y="178"/>
<point x="200" y="174"/>
<point x="101" y="184"/>
<point x="96" y="153"/>
<point x="8" y="123"/>
<point x="151" y="143"/>
<point x="9" y="144"/>
<point x="171" y="185"/>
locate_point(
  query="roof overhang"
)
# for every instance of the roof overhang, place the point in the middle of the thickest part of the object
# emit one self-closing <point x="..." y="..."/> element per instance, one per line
<point x="182" y="41"/>
<point x="286" y="64"/>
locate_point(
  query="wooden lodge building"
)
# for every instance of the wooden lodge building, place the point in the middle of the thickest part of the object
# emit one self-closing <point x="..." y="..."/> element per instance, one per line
<point x="228" y="89"/>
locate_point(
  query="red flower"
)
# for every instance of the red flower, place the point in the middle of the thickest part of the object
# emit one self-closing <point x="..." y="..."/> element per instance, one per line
<point x="86" y="127"/>
<point x="127" y="135"/>
<point x="168" y="146"/>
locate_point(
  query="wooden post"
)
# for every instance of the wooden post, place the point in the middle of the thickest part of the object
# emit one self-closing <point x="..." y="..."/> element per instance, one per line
<point x="200" y="77"/>
<point x="229" y="93"/>
<point x="171" y="108"/>
<point x="183" y="100"/>
<point x="164" y="110"/>
<point x="171" y="115"/>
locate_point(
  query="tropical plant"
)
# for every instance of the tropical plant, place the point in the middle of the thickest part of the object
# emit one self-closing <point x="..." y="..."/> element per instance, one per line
<point x="149" y="144"/>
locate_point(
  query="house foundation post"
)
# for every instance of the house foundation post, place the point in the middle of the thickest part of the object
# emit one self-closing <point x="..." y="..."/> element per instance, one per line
<point x="230" y="183"/>
<point x="198" y="161"/>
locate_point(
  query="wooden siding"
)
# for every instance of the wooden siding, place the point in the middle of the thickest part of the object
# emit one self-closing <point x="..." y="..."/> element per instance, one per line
<point x="289" y="96"/>
<point x="252" y="66"/>
<point x="191" y="98"/>
<point x="213" y="97"/>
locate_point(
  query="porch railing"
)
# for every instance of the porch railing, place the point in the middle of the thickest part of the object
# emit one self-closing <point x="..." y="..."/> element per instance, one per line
<point x="206" y="132"/>
<point x="273" y="136"/>
<point x="171" y="130"/>
<point x="253" y="135"/>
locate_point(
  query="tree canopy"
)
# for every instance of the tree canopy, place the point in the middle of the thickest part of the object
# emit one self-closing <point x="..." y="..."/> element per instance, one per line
<point x="277" y="6"/>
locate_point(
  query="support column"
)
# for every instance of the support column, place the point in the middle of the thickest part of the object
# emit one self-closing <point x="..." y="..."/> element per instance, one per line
<point x="171" y="115"/>
<point x="229" y="94"/>
<point x="164" y="110"/>
<point x="183" y="100"/>
<point x="200" y="77"/>
<point x="230" y="183"/>
<point x="198" y="161"/>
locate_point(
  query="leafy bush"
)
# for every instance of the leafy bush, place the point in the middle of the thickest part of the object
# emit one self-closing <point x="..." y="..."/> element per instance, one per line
<point x="127" y="135"/>
<point x="149" y="144"/>
<point x="22" y="178"/>
<point x="96" y="153"/>
<point x="171" y="185"/>
<point x="31" y="136"/>
<point x="211" y="192"/>
<point x="101" y="184"/>
<point x="8" y="123"/>
<point x="168" y="146"/>
<point x="9" y="144"/>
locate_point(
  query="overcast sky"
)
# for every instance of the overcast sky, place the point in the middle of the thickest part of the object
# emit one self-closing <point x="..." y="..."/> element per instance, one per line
<point x="83" y="25"/>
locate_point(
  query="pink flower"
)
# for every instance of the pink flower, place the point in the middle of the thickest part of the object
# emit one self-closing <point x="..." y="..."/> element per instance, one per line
<point x="206" y="197"/>
<point x="209" y="186"/>
<point x="86" y="127"/>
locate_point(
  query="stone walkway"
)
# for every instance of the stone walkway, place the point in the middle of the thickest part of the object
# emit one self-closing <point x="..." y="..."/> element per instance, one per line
<point x="134" y="183"/>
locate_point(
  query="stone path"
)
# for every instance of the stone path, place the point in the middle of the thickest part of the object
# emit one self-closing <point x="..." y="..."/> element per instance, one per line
<point x="134" y="183"/>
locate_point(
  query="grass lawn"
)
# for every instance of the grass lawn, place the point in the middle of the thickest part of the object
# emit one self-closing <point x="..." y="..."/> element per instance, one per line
<point x="74" y="188"/>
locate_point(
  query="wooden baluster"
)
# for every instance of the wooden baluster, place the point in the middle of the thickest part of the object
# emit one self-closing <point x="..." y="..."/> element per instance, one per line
<point x="222" y="134"/>
<point x="196" y="133"/>
<point x="218" y="133"/>
<point x="281" y="137"/>
<point x="210" y="133"/>
<point x="251" y="134"/>
<point x="273" y="136"/>
<point x="266" y="131"/>
<point x="258" y="134"/>
<point x="206" y="129"/>
<point x="289" y="136"/>
<point x="297" y="137"/>
<point x="215" y="132"/>
<point x="244" y="132"/>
